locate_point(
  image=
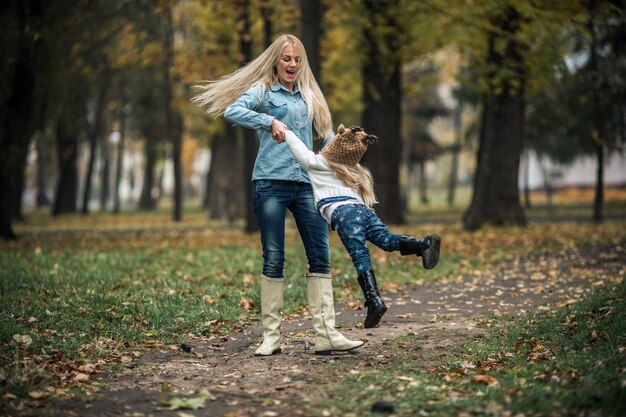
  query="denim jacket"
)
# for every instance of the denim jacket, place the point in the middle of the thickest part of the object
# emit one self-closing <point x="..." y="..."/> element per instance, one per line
<point x="256" y="110"/>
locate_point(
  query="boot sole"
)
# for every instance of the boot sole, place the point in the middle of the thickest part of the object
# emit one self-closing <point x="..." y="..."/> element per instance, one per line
<point x="329" y="352"/>
<point x="430" y="257"/>
<point x="377" y="317"/>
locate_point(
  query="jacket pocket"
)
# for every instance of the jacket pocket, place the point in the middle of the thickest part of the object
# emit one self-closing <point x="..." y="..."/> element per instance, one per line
<point x="278" y="108"/>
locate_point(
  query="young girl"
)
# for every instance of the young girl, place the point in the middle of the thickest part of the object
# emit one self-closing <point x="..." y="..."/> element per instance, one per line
<point x="344" y="195"/>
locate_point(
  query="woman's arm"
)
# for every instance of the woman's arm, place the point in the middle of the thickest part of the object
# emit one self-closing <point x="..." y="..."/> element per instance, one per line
<point x="243" y="112"/>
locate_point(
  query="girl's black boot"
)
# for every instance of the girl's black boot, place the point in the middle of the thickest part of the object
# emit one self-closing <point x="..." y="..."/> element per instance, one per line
<point x="374" y="303"/>
<point x="427" y="248"/>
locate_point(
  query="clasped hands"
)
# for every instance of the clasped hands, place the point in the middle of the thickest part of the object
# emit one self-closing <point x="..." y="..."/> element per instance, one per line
<point x="278" y="131"/>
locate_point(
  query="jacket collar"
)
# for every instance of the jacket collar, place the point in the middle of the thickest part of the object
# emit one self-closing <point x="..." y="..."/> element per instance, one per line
<point x="278" y="86"/>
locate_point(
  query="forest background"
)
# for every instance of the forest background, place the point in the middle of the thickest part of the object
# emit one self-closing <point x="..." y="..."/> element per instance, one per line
<point x="95" y="98"/>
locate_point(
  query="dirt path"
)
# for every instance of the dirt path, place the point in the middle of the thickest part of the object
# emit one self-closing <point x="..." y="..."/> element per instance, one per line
<point x="240" y="384"/>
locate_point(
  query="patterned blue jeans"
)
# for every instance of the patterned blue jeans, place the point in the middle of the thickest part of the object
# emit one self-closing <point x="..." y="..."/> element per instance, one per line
<point x="356" y="224"/>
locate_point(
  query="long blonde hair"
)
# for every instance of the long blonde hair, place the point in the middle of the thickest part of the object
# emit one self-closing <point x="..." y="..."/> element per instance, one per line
<point x="358" y="177"/>
<point x="219" y="94"/>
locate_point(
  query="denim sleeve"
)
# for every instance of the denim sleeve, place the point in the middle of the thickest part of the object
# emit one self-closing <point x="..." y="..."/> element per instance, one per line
<point x="243" y="111"/>
<point x="327" y="140"/>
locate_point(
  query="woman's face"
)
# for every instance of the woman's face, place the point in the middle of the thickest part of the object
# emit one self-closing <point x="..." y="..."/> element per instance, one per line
<point x="288" y="66"/>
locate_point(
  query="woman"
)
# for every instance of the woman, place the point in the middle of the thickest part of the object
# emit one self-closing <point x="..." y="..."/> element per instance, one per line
<point x="274" y="93"/>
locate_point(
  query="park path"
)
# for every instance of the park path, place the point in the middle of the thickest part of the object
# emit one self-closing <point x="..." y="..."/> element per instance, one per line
<point x="225" y="375"/>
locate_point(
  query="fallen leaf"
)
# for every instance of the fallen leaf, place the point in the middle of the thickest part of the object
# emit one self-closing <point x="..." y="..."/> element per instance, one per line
<point x="246" y="303"/>
<point x="485" y="379"/>
<point x="80" y="377"/>
<point x="23" y="339"/>
<point x="38" y="394"/>
<point x="176" y="403"/>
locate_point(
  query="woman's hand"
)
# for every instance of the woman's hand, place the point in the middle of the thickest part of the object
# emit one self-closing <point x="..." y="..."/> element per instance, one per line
<point x="278" y="130"/>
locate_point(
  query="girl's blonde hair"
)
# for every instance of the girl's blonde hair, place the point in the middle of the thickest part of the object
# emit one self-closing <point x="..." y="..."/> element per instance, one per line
<point x="219" y="94"/>
<point x="358" y="177"/>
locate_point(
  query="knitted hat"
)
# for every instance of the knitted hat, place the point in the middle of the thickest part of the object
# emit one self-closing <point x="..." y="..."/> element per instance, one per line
<point x="348" y="146"/>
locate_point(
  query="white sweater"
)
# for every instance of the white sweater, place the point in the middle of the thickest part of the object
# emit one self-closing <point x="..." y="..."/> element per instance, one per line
<point x="324" y="180"/>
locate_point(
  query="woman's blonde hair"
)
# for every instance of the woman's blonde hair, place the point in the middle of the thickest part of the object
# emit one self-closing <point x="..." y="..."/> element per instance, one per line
<point x="219" y="94"/>
<point x="358" y="177"/>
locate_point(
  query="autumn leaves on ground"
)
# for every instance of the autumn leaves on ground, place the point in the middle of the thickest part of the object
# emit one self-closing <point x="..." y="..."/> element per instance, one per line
<point x="133" y="315"/>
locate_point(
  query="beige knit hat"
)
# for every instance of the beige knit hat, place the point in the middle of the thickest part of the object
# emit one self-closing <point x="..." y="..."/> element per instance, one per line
<point x="348" y="146"/>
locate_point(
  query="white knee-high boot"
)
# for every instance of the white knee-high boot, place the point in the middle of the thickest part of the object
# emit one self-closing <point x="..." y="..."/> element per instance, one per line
<point x="322" y="309"/>
<point x="271" y="305"/>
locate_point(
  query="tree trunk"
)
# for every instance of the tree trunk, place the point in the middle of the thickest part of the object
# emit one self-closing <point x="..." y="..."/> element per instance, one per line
<point x="423" y="182"/>
<point x="250" y="140"/>
<point x="495" y="198"/>
<point x="42" y="199"/>
<point x="225" y="197"/>
<point x="527" y="202"/>
<point x="456" y="149"/>
<point x="67" y="154"/>
<point x="268" y="32"/>
<point x="311" y="17"/>
<point x="20" y="182"/>
<point x="381" y="113"/>
<point x="598" y="130"/>
<point x="17" y="111"/>
<point x="96" y="131"/>
<point x="105" y="172"/>
<point x="173" y="120"/>
<point x="146" y="199"/>
<point x="598" y="200"/>
<point x="177" y="150"/>
<point x="121" y="146"/>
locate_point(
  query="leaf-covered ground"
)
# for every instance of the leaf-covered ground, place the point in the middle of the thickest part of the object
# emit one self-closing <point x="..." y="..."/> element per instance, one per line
<point x="436" y="351"/>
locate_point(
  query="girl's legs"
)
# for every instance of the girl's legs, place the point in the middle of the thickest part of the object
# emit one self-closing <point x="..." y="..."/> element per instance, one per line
<point x="427" y="248"/>
<point x="351" y="222"/>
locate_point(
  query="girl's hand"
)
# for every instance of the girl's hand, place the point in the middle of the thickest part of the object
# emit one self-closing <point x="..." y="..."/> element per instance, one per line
<point x="278" y="130"/>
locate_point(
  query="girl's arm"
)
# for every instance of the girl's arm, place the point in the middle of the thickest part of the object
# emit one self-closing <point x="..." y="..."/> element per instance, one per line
<point x="307" y="158"/>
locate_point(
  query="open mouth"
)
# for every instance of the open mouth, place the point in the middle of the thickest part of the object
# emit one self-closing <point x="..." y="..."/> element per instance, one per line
<point x="291" y="72"/>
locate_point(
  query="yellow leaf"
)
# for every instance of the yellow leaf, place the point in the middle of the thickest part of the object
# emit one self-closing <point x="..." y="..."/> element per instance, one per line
<point x="485" y="379"/>
<point x="246" y="303"/>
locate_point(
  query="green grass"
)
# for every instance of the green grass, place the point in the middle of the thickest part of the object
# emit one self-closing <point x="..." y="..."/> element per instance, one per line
<point x="81" y="287"/>
<point x="569" y="362"/>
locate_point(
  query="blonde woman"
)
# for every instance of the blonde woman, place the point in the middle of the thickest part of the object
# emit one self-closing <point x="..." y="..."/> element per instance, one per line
<point x="344" y="194"/>
<point x="274" y="93"/>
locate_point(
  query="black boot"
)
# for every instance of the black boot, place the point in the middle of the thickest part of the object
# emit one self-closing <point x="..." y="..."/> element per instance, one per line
<point x="427" y="248"/>
<point x="375" y="305"/>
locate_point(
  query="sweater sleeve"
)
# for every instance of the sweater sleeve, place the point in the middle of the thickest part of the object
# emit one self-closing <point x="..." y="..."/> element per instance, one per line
<point x="307" y="158"/>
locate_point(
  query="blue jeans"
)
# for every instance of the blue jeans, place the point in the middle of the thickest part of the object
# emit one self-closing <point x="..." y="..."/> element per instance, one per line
<point x="356" y="224"/>
<point x="271" y="199"/>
